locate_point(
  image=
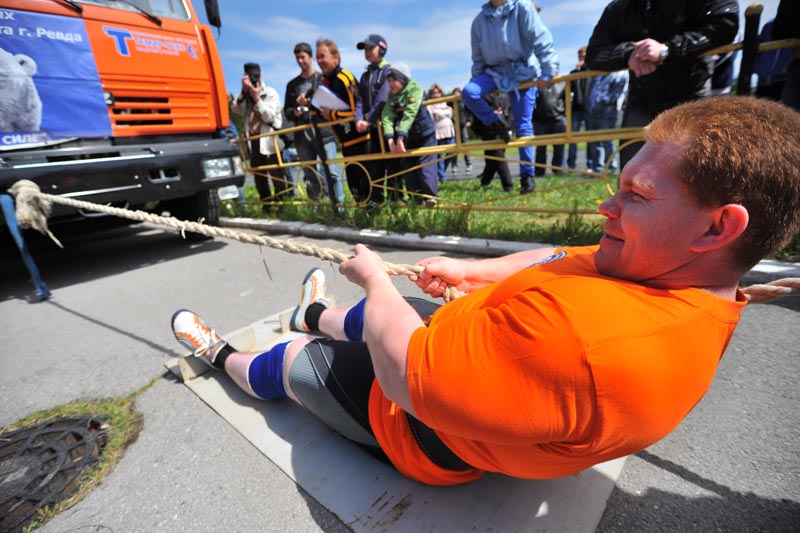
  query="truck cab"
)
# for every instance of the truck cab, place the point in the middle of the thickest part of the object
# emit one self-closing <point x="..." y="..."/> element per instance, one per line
<point x="115" y="102"/>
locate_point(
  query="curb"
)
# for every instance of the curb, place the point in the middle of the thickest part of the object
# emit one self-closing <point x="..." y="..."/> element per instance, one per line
<point x="764" y="272"/>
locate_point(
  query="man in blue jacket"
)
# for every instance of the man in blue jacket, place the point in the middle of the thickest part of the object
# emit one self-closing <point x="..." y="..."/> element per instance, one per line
<point x="510" y="46"/>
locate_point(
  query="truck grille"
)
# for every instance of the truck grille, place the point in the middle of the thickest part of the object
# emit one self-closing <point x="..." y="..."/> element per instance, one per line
<point x="159" y="110"/>
<point x="133" y="111"/>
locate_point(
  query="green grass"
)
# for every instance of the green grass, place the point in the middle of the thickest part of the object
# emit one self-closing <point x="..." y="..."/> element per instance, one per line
<point x="461" y="213"/>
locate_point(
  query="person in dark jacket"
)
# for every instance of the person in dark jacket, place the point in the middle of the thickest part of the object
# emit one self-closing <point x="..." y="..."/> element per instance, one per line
<point x="496" y="163"/>
<point x="297" y="110"/>
<point x="787" y="26"/>
<point x="373" y="90"/>
<point x="770" y="66"/>
<point x="578" y="89"/>
<point x="660" y="41"/>
<point x="549" y="116"/>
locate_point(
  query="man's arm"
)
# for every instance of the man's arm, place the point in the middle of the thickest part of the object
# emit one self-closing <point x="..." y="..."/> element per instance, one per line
<point x="467" y="276"/>
<point x="389" y="322"/>
<point x="478" y="63"/>
<point x="414" y="102"/>
<point x="269" y="107"/>
<point x="716" y="24"/>
<point x="362" y="88"/>
<point x="290" y="104"/>
<point x="605" y="51"/>
<point x="379" y="102"/>
<point x="540" y="43"/>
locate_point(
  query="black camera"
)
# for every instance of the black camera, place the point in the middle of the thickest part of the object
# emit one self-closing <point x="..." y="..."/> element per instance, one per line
<point x="253" y="70"/>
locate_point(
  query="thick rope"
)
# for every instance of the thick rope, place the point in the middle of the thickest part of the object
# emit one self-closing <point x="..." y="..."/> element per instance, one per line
<point x="33" y="207"/>
<point x="775" y="289"/>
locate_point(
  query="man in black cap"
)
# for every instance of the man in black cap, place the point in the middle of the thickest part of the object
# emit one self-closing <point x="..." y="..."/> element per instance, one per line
<point x="372" y="93"/>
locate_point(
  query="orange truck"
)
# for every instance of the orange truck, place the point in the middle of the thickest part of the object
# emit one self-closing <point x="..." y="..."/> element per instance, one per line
<point x="118" y="102"/>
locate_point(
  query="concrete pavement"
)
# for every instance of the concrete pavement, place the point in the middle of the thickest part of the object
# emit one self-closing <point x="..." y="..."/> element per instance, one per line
<point x="731" y="466"/>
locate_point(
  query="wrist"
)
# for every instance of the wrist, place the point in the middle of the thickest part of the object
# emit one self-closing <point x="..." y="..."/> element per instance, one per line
<point x="663" y="54"/>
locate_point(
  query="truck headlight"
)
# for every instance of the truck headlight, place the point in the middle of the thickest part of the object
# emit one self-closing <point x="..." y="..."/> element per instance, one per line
<point x="222" y="167"/>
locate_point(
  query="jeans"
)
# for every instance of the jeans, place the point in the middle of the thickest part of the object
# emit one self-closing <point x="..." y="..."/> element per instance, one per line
<point x="289" y="155"/>
<point x="317" y="184"/>
<point x="421" y="180"/>
<point x="444" y="163"/>
<point x="522" y="104"/>
<point x="578" y="118"/>
<point x="600" y="152"/>
<point x="544" y="127"/>
<point x="464" y="140"/>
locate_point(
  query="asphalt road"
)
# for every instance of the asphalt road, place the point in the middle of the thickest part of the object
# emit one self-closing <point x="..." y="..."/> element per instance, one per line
<point x="731" y="466"/>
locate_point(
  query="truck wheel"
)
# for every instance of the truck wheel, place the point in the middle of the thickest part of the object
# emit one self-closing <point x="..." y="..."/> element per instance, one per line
<point x="203" y="205"/>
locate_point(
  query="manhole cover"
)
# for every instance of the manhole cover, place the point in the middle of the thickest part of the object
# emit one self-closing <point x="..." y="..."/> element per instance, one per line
<point x="42" y="464"/>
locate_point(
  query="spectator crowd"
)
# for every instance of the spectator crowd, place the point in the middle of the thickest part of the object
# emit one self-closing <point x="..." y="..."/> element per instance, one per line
<point x="651" y="56"/>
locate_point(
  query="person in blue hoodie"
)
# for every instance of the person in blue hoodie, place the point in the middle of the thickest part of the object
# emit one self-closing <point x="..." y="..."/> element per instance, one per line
<point x="510" y="46"/>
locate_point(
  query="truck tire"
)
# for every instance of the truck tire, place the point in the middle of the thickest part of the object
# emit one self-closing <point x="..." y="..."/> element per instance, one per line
<point x="203" y="205"/>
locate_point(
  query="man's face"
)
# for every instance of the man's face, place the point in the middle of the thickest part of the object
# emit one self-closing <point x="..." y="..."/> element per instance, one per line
<point x="394" y="85"/>
<point x="372" y="54"/>
<point x="652" y="222"/>
<point x="303" y="61"/>
<point x="326" y="61"/>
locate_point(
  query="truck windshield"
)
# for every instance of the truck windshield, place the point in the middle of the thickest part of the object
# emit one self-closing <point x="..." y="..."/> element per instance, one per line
<point x="171" y="9"/>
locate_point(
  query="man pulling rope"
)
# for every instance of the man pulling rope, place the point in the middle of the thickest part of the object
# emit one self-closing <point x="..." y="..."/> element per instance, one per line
<point x="554" y="359"/>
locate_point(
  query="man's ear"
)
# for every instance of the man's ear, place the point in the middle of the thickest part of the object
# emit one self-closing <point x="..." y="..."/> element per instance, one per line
<point x="727" y="223"/>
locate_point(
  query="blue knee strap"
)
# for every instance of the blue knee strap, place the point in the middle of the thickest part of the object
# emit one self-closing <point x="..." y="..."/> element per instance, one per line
<point x="354" y="322"/>
<point x="265" y="373"/>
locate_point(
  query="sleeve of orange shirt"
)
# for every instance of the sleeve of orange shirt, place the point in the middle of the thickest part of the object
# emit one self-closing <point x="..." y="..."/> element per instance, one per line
<point x="512" y="373"/>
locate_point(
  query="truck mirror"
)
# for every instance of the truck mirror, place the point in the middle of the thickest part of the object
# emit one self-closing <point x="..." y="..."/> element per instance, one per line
<point x="212" y="13"/>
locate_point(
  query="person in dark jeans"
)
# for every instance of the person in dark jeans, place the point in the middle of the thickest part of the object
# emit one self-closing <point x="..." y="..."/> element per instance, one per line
<point x="579" y="89"/>
<point x="549" y="116"/>
<point x="496" y="165"/>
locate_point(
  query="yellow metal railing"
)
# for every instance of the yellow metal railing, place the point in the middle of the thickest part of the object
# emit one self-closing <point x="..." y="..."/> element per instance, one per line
<point x="624" y="135"/>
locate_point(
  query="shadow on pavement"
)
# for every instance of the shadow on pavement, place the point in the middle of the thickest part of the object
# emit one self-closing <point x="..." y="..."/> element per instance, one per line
<point x="727" y="510"/>
<point x="92" y="250"/>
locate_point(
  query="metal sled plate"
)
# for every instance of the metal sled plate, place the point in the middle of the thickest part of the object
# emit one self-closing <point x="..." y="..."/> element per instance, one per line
<point x="370" y="496"/>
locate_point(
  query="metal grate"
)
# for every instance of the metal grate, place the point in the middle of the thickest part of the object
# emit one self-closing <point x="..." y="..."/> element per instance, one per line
<point x="42" y="465"/>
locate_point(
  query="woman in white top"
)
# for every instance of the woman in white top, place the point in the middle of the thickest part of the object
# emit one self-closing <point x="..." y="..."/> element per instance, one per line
<point x="442" y="115"/>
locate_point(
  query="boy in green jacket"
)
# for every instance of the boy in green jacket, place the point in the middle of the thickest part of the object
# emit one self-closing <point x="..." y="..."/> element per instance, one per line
<point x="407" y="125"/>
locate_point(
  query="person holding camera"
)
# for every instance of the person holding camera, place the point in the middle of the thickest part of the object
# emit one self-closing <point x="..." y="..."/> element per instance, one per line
<point x="260" y="106"/>
<point x="317" y="143"/>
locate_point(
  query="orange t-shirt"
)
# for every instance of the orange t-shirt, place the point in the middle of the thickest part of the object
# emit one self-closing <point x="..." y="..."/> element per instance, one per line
<point x="553" y="370"/>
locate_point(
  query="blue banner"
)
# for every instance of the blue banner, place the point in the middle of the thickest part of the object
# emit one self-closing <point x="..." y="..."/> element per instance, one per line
<point x="49" y="85"/>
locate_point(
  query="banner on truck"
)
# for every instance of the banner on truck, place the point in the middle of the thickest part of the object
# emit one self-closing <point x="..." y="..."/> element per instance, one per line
<point x="49" y="86"/>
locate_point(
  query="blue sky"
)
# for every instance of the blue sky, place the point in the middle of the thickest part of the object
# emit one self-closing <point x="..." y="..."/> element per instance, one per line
<point x="432" y="37"/>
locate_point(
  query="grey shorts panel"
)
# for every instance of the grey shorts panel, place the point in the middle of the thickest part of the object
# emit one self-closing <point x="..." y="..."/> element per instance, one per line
<point x="312" y="393"/>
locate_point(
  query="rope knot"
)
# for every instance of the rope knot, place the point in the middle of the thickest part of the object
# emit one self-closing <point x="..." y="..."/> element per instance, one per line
<point x="33" y="208"/>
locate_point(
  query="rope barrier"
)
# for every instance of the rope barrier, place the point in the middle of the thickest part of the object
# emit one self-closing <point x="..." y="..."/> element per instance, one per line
<point x="33" y="207"/>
